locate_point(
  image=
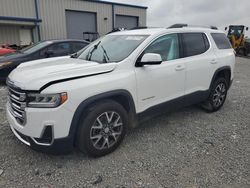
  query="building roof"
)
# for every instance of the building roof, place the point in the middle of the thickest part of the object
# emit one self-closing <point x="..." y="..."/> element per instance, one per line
<point x="116" y="3"/>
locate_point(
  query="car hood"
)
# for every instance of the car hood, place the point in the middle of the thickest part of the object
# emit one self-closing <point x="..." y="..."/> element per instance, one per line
<point x="36" y="74"/>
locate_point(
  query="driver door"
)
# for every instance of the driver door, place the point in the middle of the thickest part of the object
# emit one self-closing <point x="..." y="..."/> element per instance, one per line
<point x="157" y="84"/>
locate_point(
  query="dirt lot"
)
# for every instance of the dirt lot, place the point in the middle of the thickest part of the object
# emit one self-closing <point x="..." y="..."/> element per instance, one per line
<point x="188" y="148"/>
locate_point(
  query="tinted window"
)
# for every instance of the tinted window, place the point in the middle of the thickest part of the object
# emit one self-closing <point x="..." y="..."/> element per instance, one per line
<point x="221" y="40"/>
<point x="194" y="43"/>
<point x="43" y="53"/>
<point x="167" y="46"/>
<point x="76" y="46"/>
<point x="60" y="49"/>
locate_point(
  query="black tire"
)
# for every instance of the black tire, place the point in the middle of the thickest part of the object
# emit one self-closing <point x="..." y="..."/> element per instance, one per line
<point x="217" y="97"/>
<point x="90" y="127"/>
<point x="242" y="52"/>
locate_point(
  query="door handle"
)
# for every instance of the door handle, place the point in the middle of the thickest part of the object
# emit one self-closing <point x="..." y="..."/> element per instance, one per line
<point x="213" y="61"/>
<point x="179" y="68"/>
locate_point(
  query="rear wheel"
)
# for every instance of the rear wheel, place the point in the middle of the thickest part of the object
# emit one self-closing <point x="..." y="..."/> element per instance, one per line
<point x="217" y="96"/>
<point x="103" y="129"/>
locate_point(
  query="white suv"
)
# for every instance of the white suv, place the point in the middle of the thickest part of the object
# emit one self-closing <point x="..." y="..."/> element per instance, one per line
<point x="89" y="100"/>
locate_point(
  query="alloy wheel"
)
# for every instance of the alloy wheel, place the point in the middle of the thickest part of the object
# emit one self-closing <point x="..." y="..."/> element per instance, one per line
<point x="106" y="130"/>
<point x="219" y="95"/>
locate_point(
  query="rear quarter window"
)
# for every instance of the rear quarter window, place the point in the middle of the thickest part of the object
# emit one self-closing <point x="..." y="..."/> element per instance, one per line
<point x="194" y="44"/>
<point x="221" y="41"/>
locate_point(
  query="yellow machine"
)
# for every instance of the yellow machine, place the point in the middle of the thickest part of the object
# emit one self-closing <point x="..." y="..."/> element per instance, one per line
<point x="236" y="35"/>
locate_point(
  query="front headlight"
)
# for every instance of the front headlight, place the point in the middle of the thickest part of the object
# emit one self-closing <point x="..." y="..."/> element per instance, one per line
<point x="37" y="100"/>
<point x="4" y="64"/>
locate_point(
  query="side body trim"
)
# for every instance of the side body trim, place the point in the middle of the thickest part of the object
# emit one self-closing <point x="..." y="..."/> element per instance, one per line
<point x="173" y="105"/>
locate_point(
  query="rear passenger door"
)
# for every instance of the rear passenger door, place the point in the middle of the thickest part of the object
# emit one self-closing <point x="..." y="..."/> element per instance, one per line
<point x="198" y="57"/>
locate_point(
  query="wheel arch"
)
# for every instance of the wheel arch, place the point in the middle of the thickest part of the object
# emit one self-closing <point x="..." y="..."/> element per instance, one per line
<point x="224" y="72"/>
<point x="121" y="96"/>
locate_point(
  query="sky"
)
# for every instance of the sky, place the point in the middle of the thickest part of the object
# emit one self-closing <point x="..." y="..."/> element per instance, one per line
<point x="220" y="13"/>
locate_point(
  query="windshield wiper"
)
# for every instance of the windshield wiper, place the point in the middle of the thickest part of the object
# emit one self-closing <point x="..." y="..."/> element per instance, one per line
<point x="91" y="52"/>
<point x="105" y="55"/>
<point x="74" y="55"/>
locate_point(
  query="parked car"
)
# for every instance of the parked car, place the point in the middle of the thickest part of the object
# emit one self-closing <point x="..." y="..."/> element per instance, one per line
<point x="4" y="50"/>
<point x="89" y="101"/>
<point x="44" y="49"/>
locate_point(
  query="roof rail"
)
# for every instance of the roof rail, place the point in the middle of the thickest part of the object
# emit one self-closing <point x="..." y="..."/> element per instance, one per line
<point x="178" y="26"/>
<point x="186" y="25"/>
<point x="213" y="27"/>
<point x="143" y="27"/>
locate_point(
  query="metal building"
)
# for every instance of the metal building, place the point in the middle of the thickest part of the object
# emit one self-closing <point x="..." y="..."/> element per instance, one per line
<point x="25" y="21"/>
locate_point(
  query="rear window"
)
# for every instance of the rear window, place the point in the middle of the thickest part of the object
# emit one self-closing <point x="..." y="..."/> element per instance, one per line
<point x="194" y="43"/>
<point x="221" y="40"/>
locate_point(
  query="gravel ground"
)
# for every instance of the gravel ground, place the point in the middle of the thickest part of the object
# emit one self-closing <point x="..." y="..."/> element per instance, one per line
<point x="188" y="148"/>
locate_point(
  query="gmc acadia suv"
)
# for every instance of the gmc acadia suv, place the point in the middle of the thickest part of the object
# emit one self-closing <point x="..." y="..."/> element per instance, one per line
<point x="90" y="100"/>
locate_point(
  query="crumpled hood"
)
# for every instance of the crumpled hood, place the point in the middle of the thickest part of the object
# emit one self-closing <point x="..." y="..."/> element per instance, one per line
<point x="35" y="74"/>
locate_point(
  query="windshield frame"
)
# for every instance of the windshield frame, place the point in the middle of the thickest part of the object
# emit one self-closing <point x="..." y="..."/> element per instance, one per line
<point x="100" y="45"/>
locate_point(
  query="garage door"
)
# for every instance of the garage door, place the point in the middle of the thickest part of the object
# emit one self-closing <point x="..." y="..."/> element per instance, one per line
<point x="127" y="22"/>
<point x="9" y="34"/>
<point x="78" y="22"/>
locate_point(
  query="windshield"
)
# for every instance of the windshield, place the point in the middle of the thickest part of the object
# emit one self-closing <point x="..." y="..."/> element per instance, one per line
<point x="112" y="48"/>
<point x="235" y="30"/>
<point x="35" y="47"/>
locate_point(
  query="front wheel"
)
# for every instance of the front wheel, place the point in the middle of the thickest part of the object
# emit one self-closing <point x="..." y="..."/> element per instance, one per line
<point x="217" y="95"/>
<point x="103" y="128"/>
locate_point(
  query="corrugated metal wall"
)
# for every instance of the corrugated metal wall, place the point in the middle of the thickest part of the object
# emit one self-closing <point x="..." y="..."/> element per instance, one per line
<point x="17" y="8"/>
<point x="130" y="11"/>
<point x="54" y="21"/>
<point x="9" y="34"/>
<point x="52" y="13"/>
<point x="9" y="30"/>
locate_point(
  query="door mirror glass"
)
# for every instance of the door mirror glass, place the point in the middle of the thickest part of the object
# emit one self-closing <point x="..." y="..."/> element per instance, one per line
<point x="150" y="59"/>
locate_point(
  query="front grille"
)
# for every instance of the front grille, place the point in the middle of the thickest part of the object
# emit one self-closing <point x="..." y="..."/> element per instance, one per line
<point x="17" y="101"/>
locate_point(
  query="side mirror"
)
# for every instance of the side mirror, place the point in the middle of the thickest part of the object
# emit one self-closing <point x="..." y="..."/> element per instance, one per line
<point x="247" y="28"/>
<point x="225" y="28"/>
<point x="49" y="53"/>
<point x="150" y="59"/>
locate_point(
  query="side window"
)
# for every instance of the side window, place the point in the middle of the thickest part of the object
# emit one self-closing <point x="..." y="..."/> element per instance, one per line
<point x="167" y="46"/>
<point x="76" y="46"/>
<point x="43" y="52"/>
<point x="194" y="43"/>
<point x="59" y="49"/>
<point x="221" y="40"/>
